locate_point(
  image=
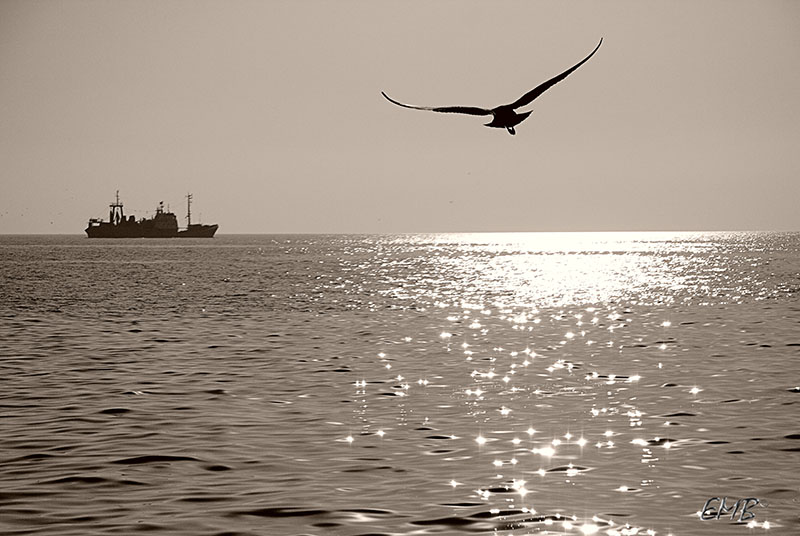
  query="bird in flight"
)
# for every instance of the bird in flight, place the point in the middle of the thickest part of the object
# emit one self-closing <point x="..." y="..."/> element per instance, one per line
<point x="503" y="116"/>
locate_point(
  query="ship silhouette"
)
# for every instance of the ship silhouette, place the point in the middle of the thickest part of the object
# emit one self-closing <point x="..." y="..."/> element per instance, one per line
<point x="163" y="225"/>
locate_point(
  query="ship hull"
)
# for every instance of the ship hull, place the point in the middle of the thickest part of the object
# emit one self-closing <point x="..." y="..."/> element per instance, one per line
<point x="109" y="230"/>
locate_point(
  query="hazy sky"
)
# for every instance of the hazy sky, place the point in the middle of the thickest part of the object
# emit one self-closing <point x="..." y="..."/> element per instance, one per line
<point x="687" y="118"/>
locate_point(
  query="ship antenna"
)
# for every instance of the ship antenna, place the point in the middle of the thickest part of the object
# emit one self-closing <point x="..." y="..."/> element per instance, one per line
<point x="188" y="209"/>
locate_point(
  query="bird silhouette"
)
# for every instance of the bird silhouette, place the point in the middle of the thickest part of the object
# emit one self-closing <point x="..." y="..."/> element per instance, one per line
<point x="503" y="116"/>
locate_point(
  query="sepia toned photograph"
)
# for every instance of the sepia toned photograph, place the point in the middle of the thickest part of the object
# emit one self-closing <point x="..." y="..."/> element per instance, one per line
<point x="384" y="268"/>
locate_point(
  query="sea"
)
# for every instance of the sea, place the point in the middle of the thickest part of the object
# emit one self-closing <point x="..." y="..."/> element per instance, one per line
<point x="415" y="384"/>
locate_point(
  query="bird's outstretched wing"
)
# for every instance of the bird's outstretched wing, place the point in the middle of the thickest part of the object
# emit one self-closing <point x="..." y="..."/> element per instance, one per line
<point x="528" y="97"/>
<point x="469" y="110"/>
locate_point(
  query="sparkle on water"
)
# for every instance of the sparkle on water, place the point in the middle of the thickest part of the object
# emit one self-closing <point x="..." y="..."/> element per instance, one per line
<point x="530" y="300"/>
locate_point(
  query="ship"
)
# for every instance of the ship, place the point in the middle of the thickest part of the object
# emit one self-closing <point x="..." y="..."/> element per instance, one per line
<point x="163" y="225"/>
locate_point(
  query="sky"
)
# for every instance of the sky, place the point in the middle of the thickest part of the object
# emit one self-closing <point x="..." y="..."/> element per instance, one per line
<point x="271" y="114"/>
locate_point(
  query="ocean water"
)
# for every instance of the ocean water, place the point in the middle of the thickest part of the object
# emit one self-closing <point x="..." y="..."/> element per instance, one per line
<point x="577" y="383"/>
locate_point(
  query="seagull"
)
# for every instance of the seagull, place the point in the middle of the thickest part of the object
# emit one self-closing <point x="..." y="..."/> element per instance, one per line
<point x="503" y="116"/>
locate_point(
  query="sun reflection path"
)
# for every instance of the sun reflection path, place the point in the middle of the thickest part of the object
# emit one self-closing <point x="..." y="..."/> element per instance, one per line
<point x="535" y="414"/>
<point x="534" y="377"/>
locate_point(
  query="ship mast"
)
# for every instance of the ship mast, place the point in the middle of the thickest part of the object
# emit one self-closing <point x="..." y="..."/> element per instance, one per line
<point x="116" y="215"/>
<point x="188" y="210"/>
